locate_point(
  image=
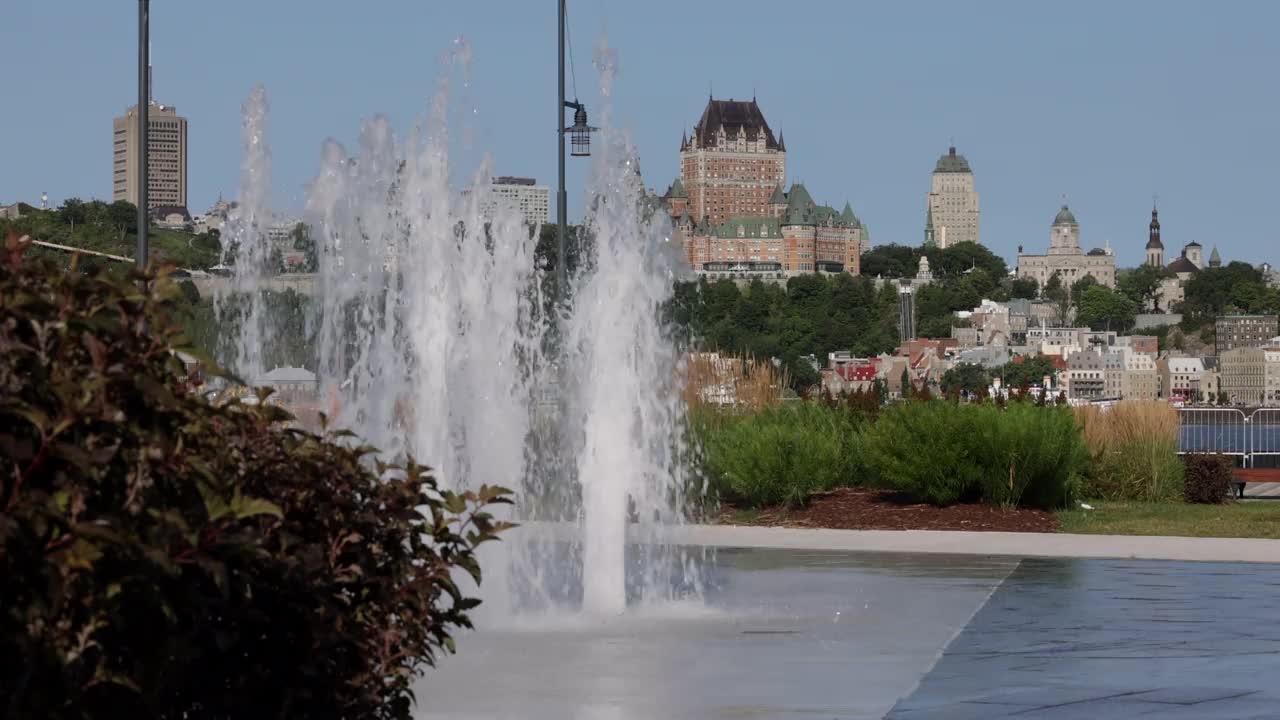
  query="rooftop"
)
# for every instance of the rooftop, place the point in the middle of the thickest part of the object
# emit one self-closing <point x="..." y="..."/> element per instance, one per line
<point x="952" y="163"/>
<point x="287" y="375"/>
<point x="734" y="117"/>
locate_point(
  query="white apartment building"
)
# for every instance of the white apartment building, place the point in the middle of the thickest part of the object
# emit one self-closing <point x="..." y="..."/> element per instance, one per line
<point x="951" y="207"/>
<point x="517" y="194"/>
<point x="1181" y="377"/>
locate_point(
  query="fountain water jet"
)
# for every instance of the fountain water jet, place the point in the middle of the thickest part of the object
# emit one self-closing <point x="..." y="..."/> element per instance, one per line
<point x="624" y="366"/>
<point x="245" y="237"/>
<point x="433" y="340"/>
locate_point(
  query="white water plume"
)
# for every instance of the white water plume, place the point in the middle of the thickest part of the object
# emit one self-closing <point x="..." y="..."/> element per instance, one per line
<point x="435" y="339"/>
<point x="245" y="244"/>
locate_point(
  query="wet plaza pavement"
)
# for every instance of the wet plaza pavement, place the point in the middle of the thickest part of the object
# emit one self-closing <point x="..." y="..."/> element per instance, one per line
<point x="795" y="633"/>
<point x="1110" y="639"/>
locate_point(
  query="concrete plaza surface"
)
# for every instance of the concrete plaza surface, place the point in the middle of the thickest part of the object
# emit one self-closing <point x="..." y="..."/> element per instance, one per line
<point x="904" y="625"/>
<point x="1020" y="545"/>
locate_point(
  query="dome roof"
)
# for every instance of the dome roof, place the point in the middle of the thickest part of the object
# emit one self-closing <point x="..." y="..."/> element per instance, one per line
<point x="952" y="163"/>
<point x="1064" y="217"/>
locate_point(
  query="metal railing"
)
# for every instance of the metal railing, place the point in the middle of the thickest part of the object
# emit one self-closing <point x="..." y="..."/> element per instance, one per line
<point x="1230" y="431"/>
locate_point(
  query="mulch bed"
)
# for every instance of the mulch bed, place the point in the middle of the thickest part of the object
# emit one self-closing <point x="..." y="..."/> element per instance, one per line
<point x="868" y="509"/>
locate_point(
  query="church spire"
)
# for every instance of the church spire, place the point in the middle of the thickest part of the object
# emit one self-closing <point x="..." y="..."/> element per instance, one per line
<point x="1155" y="248"/>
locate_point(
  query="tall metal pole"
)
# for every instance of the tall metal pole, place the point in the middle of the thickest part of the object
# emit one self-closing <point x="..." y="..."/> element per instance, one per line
<point x="144" y="102"/>
<point x="562" y="209"/>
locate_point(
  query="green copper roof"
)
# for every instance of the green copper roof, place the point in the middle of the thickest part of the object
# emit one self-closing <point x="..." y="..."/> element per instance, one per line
<point x="799" y="205"/>
<point x="778" y="197"/>
<point x="952" y="163"/>
<point x="847" y="217"/>
<point x="752" y="227"/>
<point x="1064" y="217"/>
<point x="928" y="223"/>
<point x="676" y="190"/>
<point x="1214" y="258"/>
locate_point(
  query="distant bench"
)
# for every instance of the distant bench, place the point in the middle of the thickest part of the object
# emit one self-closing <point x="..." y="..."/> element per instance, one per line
<point x="1241" y="476"/>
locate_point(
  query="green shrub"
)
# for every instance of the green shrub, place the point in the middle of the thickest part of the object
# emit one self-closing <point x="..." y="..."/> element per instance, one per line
<point x="1208" y="479"/>
<point x="926" y="450"/>
<point x="779" y="455"/>
<point x="1031" y="456"/>
<point x="162" y="557"/>
<point x="943" y="453"/>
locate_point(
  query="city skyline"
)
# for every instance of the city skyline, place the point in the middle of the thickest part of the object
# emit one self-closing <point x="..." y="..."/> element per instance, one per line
<point x="1165" y="101"/>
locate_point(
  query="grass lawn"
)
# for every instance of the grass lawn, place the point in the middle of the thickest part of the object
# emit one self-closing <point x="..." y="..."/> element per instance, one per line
<point x="1257" y="519"/>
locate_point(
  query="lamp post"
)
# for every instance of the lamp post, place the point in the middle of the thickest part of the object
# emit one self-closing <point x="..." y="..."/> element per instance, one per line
<point x="144" y="101"/>
<point x="580" y="146"/>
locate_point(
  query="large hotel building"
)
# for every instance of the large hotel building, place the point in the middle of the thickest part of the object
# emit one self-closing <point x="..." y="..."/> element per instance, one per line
<point x="732" y="213"/>
<point x="166" y="160"/>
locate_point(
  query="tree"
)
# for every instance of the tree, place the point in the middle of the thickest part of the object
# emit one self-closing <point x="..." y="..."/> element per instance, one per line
<point x="123" y="216"/>
<point x="303" y="243"/>
<point x="73" y="212"/>
<point x="1079" y="287"/>
<point x="1142" y="285"/>
<point x="1216" y="291"/>
<point x="891" y="261"/>
<point x="1055" y="293"/>
<point x="803" y="377"/>
<point x="966" y="378"/>
<point x="964" y="257"/>
<point x="1025" y="371"/>
<point x="1102" y="308"/>
<point x="165" y="557"/>
<point x="1024" y="287"/>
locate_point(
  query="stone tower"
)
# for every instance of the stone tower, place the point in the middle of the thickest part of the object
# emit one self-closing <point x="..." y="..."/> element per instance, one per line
<point x="1064" y="236"/>
<point x="953" y="202"/>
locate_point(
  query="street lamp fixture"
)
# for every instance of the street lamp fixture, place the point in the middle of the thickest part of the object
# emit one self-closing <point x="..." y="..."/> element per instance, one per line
<point x="579" y="132"/>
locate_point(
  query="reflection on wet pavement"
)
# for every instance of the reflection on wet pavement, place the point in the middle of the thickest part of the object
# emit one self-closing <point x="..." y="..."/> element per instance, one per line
<point x="1099" y="639"/>
<point x="786" y="633"/>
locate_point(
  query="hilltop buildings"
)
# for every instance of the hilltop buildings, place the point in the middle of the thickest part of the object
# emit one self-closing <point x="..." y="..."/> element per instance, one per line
<point x="733" y="163"/>
<point x="1065" y="258"/>
<point x="732" y="214"/>
<point x="951" y="207"/>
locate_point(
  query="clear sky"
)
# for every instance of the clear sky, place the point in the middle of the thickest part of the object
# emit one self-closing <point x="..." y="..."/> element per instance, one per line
<point x="1107" y="102"/>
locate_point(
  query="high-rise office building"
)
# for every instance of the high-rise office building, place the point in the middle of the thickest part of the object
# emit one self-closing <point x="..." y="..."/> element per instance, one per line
<point x="166" y="158"/>
<point x="951" y="208"/>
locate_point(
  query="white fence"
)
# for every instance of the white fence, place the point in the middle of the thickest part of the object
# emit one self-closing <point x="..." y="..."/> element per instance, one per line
<point x="1230" y="431"/>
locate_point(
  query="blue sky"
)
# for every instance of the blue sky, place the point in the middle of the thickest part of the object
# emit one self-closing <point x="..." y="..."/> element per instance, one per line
<point x="1107" y="102"/>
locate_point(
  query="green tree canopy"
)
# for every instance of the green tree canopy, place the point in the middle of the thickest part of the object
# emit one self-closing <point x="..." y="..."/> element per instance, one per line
<point x="1025" y="288"/>
<point x="1142" y="284"/>
<point x="965" y="378"/>
<point x="1025" y="371"/>
<point x="1102" y="308"/>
